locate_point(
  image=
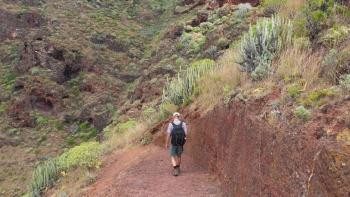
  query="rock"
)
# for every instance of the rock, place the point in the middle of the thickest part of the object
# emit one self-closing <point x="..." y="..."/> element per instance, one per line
<point x="96" y="114"/>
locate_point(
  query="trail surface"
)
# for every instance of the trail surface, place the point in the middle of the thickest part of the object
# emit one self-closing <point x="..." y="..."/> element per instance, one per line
<point x="146" y="171"/>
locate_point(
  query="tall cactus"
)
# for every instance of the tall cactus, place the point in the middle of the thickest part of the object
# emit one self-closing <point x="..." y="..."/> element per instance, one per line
<point x="183" y="85"/>
<point x="262" y="42"/>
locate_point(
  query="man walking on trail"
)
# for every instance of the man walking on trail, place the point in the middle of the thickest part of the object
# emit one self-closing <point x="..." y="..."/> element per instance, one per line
<point x="176" y="134"/>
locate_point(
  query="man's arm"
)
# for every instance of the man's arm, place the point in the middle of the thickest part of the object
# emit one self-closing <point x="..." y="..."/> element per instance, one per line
<point x="167" y="140"/>
<point x="184" y="126"/>
<point x="168" y="132"/>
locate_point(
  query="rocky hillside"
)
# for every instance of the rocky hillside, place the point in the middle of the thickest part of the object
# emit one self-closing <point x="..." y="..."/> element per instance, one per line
<point x="70" y="68"/>
<point x="77" y="72"/>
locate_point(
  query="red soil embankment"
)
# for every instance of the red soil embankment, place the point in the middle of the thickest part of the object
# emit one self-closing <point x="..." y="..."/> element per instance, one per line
<point x="251" y="158"/>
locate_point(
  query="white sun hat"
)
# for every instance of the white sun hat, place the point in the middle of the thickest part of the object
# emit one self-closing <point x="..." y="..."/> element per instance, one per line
<point x="176" y="114"/>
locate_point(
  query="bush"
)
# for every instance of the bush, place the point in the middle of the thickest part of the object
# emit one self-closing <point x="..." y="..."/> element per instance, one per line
<point x="126" y="125"/>
<point x="193" y="42"/>
<point x="345" y="82"/>
<point x="314" y="97"/>
<point x="166" y="109"/>
<point x="317" y="13"/>
<point x="179" y="89"/>
<point x="335" y="36"/>
<point x="302" y="113"/>
<point x="44" y="176"/>
<point x="261" y="44"/>
<point x="84" y="155"/>
<point x="294" y="91"/>
<point x="335" y="64"/>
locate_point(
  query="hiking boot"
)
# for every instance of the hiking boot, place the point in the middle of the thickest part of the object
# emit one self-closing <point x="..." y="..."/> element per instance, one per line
<point x="176" y="172"/>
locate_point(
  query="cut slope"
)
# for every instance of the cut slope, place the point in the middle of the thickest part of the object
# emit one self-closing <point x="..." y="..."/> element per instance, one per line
<point x="146" y="171"/>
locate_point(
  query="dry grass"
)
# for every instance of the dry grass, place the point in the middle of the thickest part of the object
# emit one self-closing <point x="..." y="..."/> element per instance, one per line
<point x="218" y="83"/>
<point x="292" y="7"/>
<point x="76" y="181"/>
<point x="125" y="139"/>
<point x="299" y="65"/>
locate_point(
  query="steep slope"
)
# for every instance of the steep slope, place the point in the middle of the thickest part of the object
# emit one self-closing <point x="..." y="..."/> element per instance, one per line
<point x="254" y="158"/>
<point x="69" y="68"/>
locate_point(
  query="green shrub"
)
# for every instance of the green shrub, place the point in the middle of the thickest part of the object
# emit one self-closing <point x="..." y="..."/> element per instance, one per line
<point x="335" y="64"/>
<point x="294" y="91"/>
<point x="317" y="13"/>
<point x="314" y="97"/>
<point x="86" y="131"/>
<point x="345" y="82"/>
<point x="85" y="155"/>
<point x="261" y="44"/>
<point x="193" y="42"/>
<point x="302" y="113"/>
<point x="2" y="107"/>
<point x="335" y="36"/>
<point x="149" y="113"/>
<point x="179" y="89"/>
<point x="126" y="125"/>
<point x="44" y="176"/>
<point x="166" y="109"/>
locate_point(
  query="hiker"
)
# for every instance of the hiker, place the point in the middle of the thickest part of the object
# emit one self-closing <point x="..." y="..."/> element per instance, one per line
<point x="176" y="134"/>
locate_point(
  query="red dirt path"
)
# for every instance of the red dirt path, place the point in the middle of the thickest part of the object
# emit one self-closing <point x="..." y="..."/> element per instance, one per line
<point x="146" y="171"/>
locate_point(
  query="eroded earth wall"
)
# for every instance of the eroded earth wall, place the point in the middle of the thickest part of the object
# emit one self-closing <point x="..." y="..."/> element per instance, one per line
<point x="252" y="158"/>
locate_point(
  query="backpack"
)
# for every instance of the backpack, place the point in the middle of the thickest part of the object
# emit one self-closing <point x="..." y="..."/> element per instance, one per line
<point x="178" y="135"/>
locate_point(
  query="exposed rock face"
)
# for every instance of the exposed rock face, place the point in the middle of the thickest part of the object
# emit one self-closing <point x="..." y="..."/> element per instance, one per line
<point x="63" y="64"/>
<point x="251" y="158"/>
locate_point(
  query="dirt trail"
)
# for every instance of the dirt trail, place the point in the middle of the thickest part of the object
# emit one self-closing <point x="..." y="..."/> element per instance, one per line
<point x="146" y="171"/>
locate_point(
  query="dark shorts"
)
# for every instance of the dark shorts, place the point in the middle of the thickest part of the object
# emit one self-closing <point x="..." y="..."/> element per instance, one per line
<point x="176" y="150"/>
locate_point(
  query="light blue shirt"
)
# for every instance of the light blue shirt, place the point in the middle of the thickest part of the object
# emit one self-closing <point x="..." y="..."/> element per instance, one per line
<point x="177" y="122"/>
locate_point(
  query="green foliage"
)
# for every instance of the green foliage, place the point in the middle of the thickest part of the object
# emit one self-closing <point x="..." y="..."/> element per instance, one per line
<point x="43" y="177"/>
<point x="8" y="80"/>
<point x="335" y="35"/>
<point x="149" y="112"/>
<point x="85" y="155"/>
<point x="294" y="91"/>
<point x="193" y="42"/>
<point x="345" y="82"/>
<point x="126" y="125"/>
<point x="261" y="44"/>
<point x="314" y="97"/>
<point x="317" y="13"/>
<point x="179" y="89"/>
<point x="302" y="113"/>
<point x="335" y="64"/>
<point x="86" y="131"/>
<point x="166" y="109"/>
<point x="2" y="107"/>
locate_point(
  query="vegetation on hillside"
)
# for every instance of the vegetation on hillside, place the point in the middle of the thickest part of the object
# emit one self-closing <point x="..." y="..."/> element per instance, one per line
<point x="130" y="64"/>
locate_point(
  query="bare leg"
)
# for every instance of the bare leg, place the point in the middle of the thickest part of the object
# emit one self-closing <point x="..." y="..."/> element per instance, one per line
<point x="174" y="161"/>
<point x="178" y="160"/>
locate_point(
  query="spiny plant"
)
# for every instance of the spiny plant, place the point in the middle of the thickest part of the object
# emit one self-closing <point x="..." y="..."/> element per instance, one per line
<point x="179" y="89"/>
<point x="43" y="177"/>
<point x="260" y="45"/>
